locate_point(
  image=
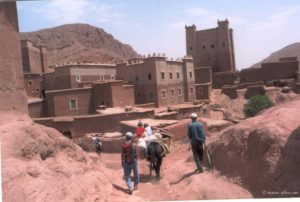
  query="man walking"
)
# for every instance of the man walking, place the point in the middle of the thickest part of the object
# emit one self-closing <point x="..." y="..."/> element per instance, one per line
<point x="130" y="162"/>
<point x="197" y="139"/>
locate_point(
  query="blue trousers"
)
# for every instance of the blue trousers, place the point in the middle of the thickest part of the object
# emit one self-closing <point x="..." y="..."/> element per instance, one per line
<point x="127" y="171"/>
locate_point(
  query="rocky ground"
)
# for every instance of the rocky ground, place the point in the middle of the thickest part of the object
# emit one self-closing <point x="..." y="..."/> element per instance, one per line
<point x="251" y="159"/>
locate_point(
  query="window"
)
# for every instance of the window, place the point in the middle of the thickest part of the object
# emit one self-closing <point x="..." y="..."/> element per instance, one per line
<point x="192" y="90"/>
<point x="29" y="83"/>
<point x="212" y="45"/>
<point x="178" y="75"/>
<point x="163" y="93"/>
<point x="136" y="78"/>
<point x="223" y="45"/>
<point x="112" y="77"/>
<point x="208" y="58"/>
<point x="139" y="94"/>
<point x="37" y="90"/>
<point x="203" y="47"/>
<point x="73" y="104"/>
<point x="172" y="93"/>
<point x="102" y="77"/>
<point x="171" y="75"/>
<point x="191" y="74"/>
<point x="179" y="92"/>
<point x="78" y="79"/>
<point x="151" y="94"/>
<point x="191" y="48"/>
<point x="149" y="76"/>
<point x="200" y="90"/>
<point x="162" y="74"/>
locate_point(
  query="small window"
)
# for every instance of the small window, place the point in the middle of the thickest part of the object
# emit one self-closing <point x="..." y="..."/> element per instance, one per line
<point x="136" y="78"/>
<point x="179" y="92"/>
<point x="139" y="94"/>
<point x="102" y="77"/>
<point x="151" y="94"/>
<point x="171" y="75"/>
<point x="178" y="75"/>
<point x="29" y="83"/>
<point x="212" y="46"/>
<point x="200" y="90"/>
<point x="191" y="48"/>
<point x="149" y="76"/>
<point x="203" y="47"/>
<point x="73" y="104"/>
<point x="78" y="79"/>
<point x="162" y="74"/>
<point x="37" y="90"/>
<point x="223" y="45"/>
<point x="191" y="74"/>
<point x="208" y="58"/>
<point x="172" y="93"/>
<point x="112" y="77"/>
<point x="192" y="90"/>
<point x="163" y="93"/>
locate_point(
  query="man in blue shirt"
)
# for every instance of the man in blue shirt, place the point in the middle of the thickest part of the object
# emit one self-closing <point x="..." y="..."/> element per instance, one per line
<point x="197" y="139"/>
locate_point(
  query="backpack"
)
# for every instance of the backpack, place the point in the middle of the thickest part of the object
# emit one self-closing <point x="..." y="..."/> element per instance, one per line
<point x="129" y="152"/>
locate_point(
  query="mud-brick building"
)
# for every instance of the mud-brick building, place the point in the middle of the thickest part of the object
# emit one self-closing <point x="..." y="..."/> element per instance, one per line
<point x="158" y="80"/>
<point x="203" y="82"/>
<point x="285" y="68"/>
<point x="212" y="47"/>
<point x="35" y="63"/>
<point x="69" y="76"/>
<point x="34" y="59"/>
<point x="84" y="101"/>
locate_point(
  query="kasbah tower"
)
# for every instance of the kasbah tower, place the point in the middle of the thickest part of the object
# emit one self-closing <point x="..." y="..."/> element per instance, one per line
<point x="212" y="47"/>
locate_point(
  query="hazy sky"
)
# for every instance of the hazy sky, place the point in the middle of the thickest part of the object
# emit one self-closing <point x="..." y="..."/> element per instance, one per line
<point x="260" y="26"/>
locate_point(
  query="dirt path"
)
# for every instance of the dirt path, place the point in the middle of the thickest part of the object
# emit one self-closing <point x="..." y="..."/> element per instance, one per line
<point x="179" y="181"/>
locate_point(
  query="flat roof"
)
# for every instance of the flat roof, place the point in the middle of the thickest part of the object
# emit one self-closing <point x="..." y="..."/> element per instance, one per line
<point x="93" y="65"/>
<point x="67" y="90"/>
<point x="151" y="122"/>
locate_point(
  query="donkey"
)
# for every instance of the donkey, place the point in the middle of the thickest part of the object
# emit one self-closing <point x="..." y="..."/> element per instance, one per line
<point x="155" y="154"/>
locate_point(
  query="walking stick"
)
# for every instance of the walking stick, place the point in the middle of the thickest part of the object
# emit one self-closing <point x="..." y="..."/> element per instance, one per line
<point x="210" y="165"/>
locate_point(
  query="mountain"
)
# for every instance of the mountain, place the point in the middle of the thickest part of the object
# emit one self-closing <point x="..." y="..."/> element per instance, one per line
<point x="79" y="42"/>
<point x="292" y="50"/>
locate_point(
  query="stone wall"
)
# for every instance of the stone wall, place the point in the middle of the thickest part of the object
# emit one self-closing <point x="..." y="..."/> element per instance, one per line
<point x="223" y="78"/>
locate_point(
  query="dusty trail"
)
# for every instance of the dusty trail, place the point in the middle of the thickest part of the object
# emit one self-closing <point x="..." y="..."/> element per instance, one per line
<point x="179" y="181"/>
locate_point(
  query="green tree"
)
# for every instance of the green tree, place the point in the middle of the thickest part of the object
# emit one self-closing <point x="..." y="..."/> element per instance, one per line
<point x="257" y="103"/>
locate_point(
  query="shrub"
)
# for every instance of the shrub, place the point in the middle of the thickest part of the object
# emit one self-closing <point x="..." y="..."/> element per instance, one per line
<point x="256" y="104"/>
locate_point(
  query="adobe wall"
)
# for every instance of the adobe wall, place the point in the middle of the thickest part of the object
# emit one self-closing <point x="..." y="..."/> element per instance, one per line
<point x="203" y="91"/>
<point x="230" y="91"/>
<point x="94" y="123"/>
<point x="36" y="109"/>
<point x="251" y="75"/>
<point x="169" y="84"/>
<point x="279" y="70"/>
<point x="12" y="93"/>
<point x="270" y="71"/>
<point x="223" y="78"/>
<point x="101" y="95"/>
<point x="33" y="90"/>
<point x="203" y="75"/>
<point x="122" y="96"/>
<point x="58" y="102"/>
<point x="32" y="58"/>
<point x="254" y="90"/>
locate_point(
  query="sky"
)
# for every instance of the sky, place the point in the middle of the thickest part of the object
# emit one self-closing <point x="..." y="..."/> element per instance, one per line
<point x="260" y="27"/>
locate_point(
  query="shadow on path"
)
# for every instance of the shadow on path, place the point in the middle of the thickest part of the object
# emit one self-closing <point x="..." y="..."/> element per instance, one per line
<point x="119" y="188"/>
<point x="184" y="177"/>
